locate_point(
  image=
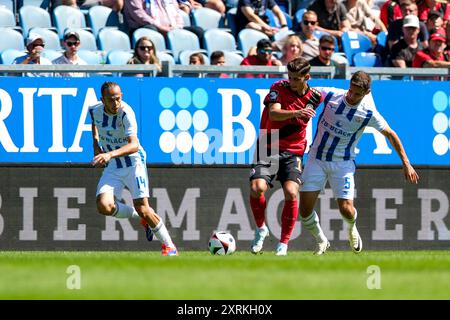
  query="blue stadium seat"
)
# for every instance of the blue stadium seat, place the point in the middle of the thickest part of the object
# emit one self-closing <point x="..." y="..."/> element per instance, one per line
<point x="100" y="17"/>
<point x="319" y="34"/>
<point x="66" y="17"/>
<point x="382" y="38"/>
<point x="282" y="34"/>
<point x="298" y="16"/>
<point x="51" y="54"/>
<point x="218" y="39"/>
<point x="44" y="4"/>
<point x="8" y="4"/>
<point x="31" y="16"/>
<point x="185" y="55"/>
<point x="164" y="56"/>
<point x="206" y="18"/>
<point x="367" y="59"/>
<point x="354" y="42"/>
<point x="273" y="19"/>
<point x="118" y="57"/>
<point x="87" y="39"/>
<point x="11" y="39"/>
<point x="50" y="37"/>
<point x="156" y="37"/>
<point x="247" y="38"/>
<point x="7" y="56"/>
<point x="180" y="39"/>
<point x="113" y="39"/>
<point x="232" y="58"/>
<point x="92" y="57"/>
<point x="7" y="18"/>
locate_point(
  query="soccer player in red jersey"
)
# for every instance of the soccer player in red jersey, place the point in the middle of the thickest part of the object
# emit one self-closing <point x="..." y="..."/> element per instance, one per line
<point x="281" y="145"/>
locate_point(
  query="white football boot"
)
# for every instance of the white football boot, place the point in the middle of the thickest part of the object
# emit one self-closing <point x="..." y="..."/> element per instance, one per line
<point x="260" y="235"/>
<point x="321" y="247"/>
<point x="354" y="239"/>
<point x="281" y="249"/>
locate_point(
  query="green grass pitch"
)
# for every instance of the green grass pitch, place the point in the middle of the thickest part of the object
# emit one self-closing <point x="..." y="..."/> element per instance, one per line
<point x="198" y="275"/>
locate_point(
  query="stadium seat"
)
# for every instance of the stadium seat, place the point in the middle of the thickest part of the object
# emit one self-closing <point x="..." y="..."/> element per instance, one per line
<point x="11" y="39"/>
<point x="7" y="18"/>
<point x="92" y="57"/>
<point x="156" y="37"/>
<point x="231" y="21"/>
<point x="66" y="17"/>
<point x="113" y="39"/>
<point x="232" y="58"/>
<point x="280" y="35"/>
<point x="44" y="4"/>
<point x="50" y="37"/>
<point x="354" y="42"/>
<point x="7" y="56"/>
<point x="247" y="38"/>
<point x="51" y="54"/>
<point x="218" y="39"/>
<point x="206" y="18"/>
<point x="118" y="57"/>
<point x="382" y="38"/>
<point x="8" y="4"/>
<point x="180" y="39"/>
<point x="298" y="16"/>
<point x="186" y="18"/>
<point x="164" y="56"/>
<point x="273" y="19"/>
<point x="87" y="39"/>
<point x="185" y="55"/>
<point x="367" y="59"/>
<point x="31" y="16"/>
<point x="100" y="17"/>
<point x="319" y="34"/>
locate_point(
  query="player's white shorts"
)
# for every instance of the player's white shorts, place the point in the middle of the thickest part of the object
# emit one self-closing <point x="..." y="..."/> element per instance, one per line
<point x="340" y="174"/>
<point x="135" y="178"/>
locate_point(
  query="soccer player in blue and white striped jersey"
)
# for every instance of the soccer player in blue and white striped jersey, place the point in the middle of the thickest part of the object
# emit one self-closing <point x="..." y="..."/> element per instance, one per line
<point x="117" y="148"/>
<point x="331" y="157"/>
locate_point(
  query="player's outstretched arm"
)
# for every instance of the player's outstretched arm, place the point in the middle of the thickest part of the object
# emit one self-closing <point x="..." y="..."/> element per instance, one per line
<point x="278" y="114"/>
<point x="102" y="159"/>
<point x="410" y="174"/>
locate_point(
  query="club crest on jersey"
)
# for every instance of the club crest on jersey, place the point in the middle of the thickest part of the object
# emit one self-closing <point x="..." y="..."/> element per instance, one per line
<point x="273" y="95"/>
<point x="309" y="105"/>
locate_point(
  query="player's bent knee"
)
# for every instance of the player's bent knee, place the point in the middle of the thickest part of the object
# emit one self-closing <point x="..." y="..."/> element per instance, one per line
<point x="105" y="208"/>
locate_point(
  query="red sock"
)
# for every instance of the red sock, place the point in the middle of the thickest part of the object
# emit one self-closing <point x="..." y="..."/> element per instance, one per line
<point x="288" y="219"/>
<point x="258" y="206"/>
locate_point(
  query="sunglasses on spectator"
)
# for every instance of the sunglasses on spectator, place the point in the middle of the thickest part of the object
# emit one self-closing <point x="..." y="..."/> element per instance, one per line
<point x="70" y="43"/>
<point x="146" y="48"/>
<point x="327" y="48"/>
<point x="307" y="22"/>
<point x="266" y="51"/>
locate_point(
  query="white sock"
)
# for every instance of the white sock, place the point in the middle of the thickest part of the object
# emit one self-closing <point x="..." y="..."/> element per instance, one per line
<point x="312" y="224"/>
<point x="162" y="234"/>
<point x="351" y="222"/>
<point x="124" y="211"/>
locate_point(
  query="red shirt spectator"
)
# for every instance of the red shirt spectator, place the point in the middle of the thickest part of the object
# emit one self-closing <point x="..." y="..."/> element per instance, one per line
<point x="390" y="11"/>
<point x="435" y="55"/>
<point x="263" y="57"/>
<point x="427" y="5"/>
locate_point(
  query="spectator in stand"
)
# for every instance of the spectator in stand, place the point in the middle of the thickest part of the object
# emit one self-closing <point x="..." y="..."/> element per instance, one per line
<point x="435" y="55"/>
<point x="332" y="17"/>
<point x="144" y="53"/>
<point x="217" y="58"/>
<point x="434" y="21"/>
<point x="404" y="51"/>
<point x="390" y="11"/>
<point x="35" y="46"/>
<point x="292" y="49"/>
<point x="158" y="15"/>
<point x="71" y="42"/>
<point x="251" y="14"/>
<point x="395" y="30"/>
<point x="188" y="5"/>
<point x="116" y="5"/>
<point x="426" y="6"/>
<point x="196" y="59"/>
<point x="306" y="35"/>
<point x="326" y="50"/>
<point x="263" y="57"/>
<point x="447" y="29"/>
<point x="363" y="20"/>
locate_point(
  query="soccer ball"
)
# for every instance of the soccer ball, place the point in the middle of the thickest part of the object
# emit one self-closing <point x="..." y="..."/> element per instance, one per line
<point x="221" y="243"/>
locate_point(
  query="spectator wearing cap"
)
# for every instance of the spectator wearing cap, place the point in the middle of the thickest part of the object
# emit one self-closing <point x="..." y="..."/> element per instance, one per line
<point x="35" y="46"/>
<point x="435" y="21"/>
<point x="426" y="6"/>
<point x="395" y="31"/>
<point x="404" y="51"/>
<point x="435" y="55"/>
<point x="263" y="57"/>
<point x="71" y="42"/>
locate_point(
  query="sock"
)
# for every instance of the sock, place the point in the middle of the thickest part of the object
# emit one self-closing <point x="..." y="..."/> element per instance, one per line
<point x="124" y="211"/>
<point x="288" y="219"/>
<point x="160" y="231"/>
<point x="312" y="224"/>
<point x="351" y="222"/>
<point x="258" y="206"/>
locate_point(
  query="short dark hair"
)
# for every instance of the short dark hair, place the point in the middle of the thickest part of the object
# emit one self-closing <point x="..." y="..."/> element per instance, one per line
<point x="327" y="39"/>
<point x="261" y="44"/>
<point x="216" y="55"/>
<point x="362" y="80"/>
<point x="300" y="65"/>
<point x="108" y="85"/>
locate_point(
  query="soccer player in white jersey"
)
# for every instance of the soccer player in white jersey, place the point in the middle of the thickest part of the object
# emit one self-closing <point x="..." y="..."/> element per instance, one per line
<point x="117" y="148"/>
<point x="332" y="153"/>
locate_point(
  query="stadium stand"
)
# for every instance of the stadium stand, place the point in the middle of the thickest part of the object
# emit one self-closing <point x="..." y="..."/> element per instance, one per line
<point x="101" y="17"/>
<point x="206" y="18"/>
<point x="367" y="59"/>
<point x="232" y="58"/>
<point x="180" y="39"/>
<point x="66" y="17"/>
<point x="354" y="42"/>
<point x="185" y="55"/>
<point x="87" y="39"/>
<point x="31" y="16"/>
<point x="156" y="37"/>
<point x="113" y="39"/>
<point x="50" y="37"/>
<point x="11" y="39"/>
<point x="248" y="38"/>
<point x="7" y="56"/>
<point x="118" y="57"/>
<point x="227" y="41"/>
